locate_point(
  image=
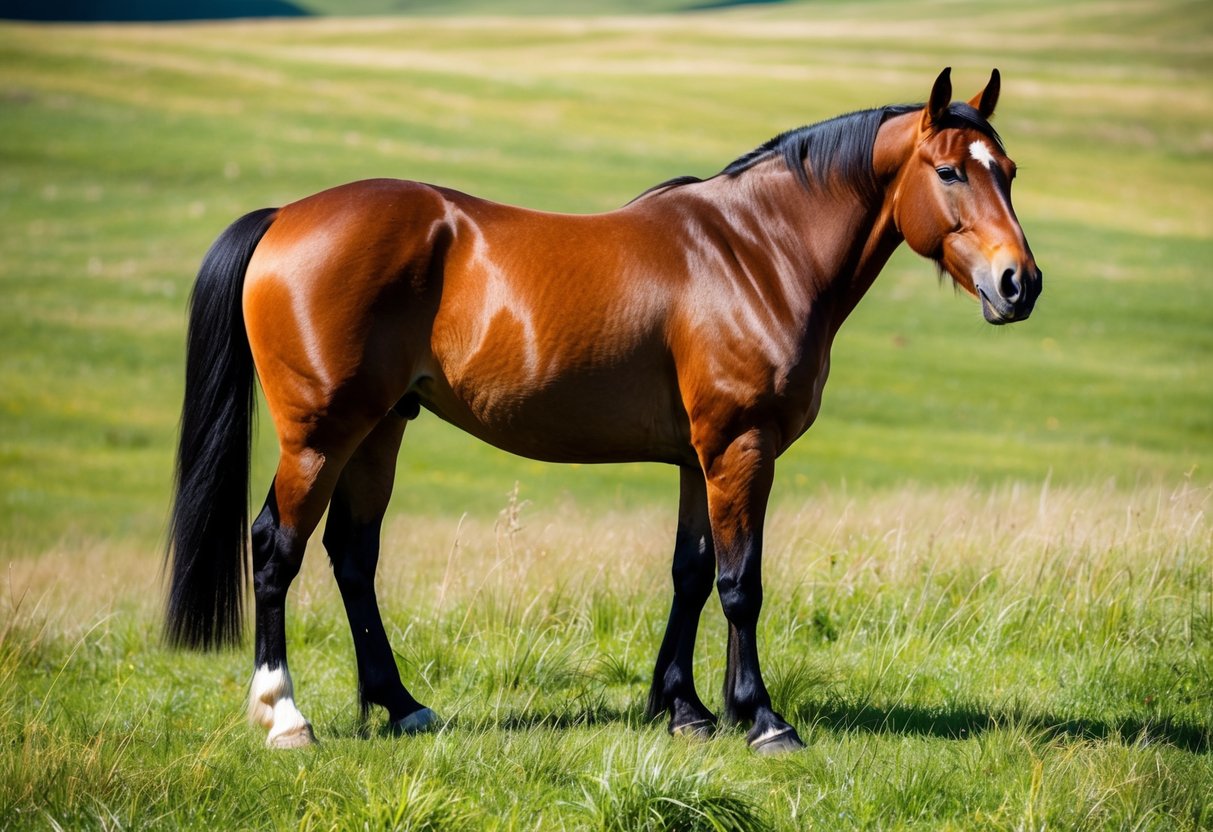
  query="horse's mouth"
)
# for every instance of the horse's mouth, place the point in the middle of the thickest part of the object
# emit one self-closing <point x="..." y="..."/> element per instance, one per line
<point x="992" y="313"/>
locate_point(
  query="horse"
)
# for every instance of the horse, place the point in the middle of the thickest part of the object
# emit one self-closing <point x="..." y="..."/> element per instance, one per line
<point x="691" y="327"/>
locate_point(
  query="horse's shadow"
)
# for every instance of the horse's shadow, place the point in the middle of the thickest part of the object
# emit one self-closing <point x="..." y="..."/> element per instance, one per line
<point x="579" y="714"/>
<point x="956" y="723"/>
<point x="963" y="722"/>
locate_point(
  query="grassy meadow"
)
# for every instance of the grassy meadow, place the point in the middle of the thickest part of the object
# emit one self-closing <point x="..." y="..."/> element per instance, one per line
<point x="990" y="564"/>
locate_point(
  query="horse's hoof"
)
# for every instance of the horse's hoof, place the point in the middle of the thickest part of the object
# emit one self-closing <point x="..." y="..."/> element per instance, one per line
<point x="418" y="722"/>
<point x="300" y="736"/>
<point x="699" y="729"/>
<point x="776" y="741"/>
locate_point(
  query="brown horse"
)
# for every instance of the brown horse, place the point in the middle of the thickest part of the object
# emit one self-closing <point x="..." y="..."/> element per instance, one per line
<point x="692" y="326"/>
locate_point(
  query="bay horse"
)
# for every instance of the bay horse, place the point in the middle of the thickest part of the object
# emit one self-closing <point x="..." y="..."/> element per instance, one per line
<point x="692" y="327"/>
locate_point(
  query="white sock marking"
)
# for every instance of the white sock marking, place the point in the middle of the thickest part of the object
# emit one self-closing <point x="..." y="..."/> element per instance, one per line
<point x="272" y="702"/>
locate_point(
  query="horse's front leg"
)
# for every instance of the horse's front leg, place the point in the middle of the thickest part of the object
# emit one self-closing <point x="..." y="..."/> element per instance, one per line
<point x="739" y="477"/>
<point x="673" y="688"/>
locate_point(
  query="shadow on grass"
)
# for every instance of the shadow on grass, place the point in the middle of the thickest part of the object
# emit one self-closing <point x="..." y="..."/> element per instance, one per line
<point x="953" y="723"/>
<point x="583" y="715"/>
<point x="956" y="723"/>
<point x="963" y="722"/>
<point x="528" y="719"/>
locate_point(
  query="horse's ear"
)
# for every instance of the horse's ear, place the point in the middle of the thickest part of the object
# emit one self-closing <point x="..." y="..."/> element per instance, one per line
<point x="941" y="97"/>
<point x="986" y="100"/>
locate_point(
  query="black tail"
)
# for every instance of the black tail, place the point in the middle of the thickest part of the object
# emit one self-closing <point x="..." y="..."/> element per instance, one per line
<point x="208" y="536"/>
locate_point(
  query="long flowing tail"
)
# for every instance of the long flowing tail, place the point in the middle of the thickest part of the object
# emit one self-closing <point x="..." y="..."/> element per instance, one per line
<point x="208" y="535"/>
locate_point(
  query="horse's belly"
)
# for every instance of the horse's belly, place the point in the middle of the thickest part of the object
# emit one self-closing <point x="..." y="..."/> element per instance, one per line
<point x="611" y="415"/>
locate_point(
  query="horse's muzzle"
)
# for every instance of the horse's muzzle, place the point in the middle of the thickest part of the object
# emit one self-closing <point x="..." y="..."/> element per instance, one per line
<point x="1011" y="296"/>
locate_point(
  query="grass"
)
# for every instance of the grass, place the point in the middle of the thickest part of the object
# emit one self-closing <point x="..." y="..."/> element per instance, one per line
<point x="1014" y="658"/>
<point x="989" y="563"/>
<point x="128" y="148"/>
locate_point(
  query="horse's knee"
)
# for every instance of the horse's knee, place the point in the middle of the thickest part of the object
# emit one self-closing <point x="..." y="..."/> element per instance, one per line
<point x="740" y="597"/>
<point x="692" y="581"/>
<point x="694" y="564"/>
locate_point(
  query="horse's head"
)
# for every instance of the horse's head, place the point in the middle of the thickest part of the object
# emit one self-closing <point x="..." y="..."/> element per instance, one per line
<point x="952" y="203"/>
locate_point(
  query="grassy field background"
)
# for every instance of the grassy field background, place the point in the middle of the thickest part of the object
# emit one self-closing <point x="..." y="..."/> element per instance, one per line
<point x="990" y="599"/>
<point x="127" y="149"/>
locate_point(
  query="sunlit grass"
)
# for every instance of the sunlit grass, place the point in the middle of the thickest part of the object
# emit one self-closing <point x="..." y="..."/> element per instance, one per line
<point x="988" y="566"/>
<point x="126" y="149"/>
<point x="989" y="659"/>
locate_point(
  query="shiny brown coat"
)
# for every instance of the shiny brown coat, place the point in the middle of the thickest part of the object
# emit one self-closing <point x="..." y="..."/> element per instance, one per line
<point x="692" y="327"/>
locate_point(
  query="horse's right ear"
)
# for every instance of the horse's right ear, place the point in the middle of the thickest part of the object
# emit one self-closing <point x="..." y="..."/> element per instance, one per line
<point x="986" y="100"/>
<point x="941" y="97"/>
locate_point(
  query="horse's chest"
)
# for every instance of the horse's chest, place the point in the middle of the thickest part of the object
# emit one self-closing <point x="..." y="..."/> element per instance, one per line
<point x="802" y="398"/>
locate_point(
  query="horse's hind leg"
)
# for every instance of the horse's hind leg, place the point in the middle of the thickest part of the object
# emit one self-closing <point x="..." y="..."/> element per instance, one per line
<point x="673" y="687"/>
<point x="302" y="486"/>
<point x="351" y="536"/>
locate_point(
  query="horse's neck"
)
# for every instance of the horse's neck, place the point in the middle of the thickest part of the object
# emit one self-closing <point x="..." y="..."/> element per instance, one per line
<point x="831" y="245"/>
<point x="874" y="243"/>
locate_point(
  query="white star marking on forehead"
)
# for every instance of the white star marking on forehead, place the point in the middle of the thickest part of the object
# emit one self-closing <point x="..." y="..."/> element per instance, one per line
<point x="980" y="151"/>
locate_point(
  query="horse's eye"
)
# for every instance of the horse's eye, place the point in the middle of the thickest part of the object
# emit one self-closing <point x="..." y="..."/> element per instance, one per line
<point x="949" y="174"/>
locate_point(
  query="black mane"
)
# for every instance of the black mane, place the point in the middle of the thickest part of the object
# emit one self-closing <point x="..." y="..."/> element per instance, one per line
<point x="838" y="149"/>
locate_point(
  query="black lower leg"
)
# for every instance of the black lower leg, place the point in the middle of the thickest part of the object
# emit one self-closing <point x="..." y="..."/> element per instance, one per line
<point x="745" y="694"/>
<point x="673" y="687"/>
<point x="276" y="562"/>
<point x="354" y="550"/>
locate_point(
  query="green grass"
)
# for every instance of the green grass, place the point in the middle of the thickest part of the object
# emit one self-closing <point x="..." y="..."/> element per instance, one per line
<point x="1015" y="658"/>
<point x="989" y="563"/>
<point x="127" y="149"/>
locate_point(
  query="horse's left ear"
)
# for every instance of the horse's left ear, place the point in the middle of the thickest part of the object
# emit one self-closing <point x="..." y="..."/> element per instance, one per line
<point x="986" y="100"/>
<point x="941" y="97"/>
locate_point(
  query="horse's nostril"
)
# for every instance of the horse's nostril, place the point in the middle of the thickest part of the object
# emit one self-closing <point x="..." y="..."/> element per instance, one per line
<point x="1009" y="286"/>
